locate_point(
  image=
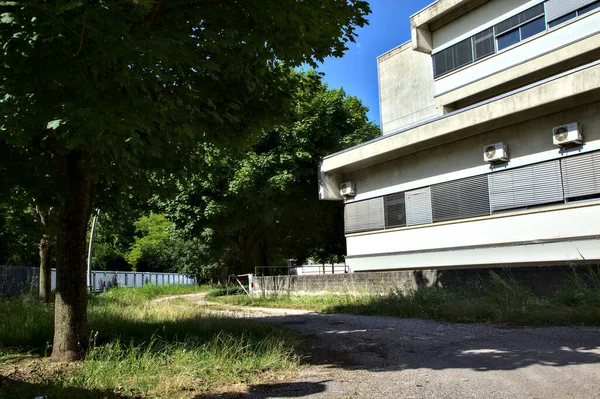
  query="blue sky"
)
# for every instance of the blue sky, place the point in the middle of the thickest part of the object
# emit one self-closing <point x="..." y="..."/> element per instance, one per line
<point x="356" y="72"/>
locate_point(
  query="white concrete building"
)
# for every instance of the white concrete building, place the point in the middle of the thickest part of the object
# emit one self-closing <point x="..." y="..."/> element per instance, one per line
<point x="512" y="82"/>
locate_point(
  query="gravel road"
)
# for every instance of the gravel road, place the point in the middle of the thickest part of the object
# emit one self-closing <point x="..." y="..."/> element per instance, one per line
<point x="384" y="357"/>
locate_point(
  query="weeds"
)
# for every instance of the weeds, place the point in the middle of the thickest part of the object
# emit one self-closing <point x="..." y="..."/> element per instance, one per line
<point x="143" y="349"/>
<point x="502" y="301"/>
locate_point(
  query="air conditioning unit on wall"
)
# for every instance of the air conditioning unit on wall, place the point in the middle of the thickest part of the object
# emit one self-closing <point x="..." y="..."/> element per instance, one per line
<point x="565" y="135"/>
<point x="347" y="189"/>
<point x="494" y="153"/>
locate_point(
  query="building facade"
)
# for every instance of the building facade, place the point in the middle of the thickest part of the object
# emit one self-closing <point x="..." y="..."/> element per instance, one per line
<point x="490" y="153"/>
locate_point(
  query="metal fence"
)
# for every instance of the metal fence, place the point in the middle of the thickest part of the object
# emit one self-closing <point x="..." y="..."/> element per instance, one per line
<point x="15" y="279"/>
<point x="327" y="268"/>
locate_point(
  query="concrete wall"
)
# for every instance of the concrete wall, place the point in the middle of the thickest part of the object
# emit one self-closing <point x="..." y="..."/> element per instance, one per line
<point x="541" y="280"/>
<point x="405" y="88"/>
<point x="471" y="22"/>
<point x="528" y="142"/>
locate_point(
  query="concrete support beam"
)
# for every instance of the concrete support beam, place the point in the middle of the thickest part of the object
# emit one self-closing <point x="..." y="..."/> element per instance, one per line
<point x="433" y="17"/>
<point x="421" y="39"/>
<point x="329" y="186"/>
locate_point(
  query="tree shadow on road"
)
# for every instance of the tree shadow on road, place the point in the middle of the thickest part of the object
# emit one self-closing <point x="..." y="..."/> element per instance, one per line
<point x="264" y="391"/>
<point x="17" y="389"/>
<point x="393" y="344"/>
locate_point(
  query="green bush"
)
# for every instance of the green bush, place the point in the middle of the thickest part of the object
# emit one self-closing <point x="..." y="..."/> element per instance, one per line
<point x="109" y="257"/>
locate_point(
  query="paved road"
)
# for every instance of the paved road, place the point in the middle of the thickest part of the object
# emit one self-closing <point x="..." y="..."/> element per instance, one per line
<point x="384" y="357"/>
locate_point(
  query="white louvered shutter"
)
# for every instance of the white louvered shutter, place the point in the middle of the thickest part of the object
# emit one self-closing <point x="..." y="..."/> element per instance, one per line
<point x="527" y="186"/>
<point x="459" y="199"/>
<point x="364" y="215"/>
<point x="418" y="206"/>
<point x="581" y="175"/>
<point x="557" y="8"/>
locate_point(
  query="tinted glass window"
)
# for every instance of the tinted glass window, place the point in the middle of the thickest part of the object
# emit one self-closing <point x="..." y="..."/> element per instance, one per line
<point x="463" y="53"/>
<point x="533" y="28"/>
<point x="589" y="8"/>
<point x="484" y="43"/>
<point x="395" y="212"/>
<point x="562" y="19"/>
<point x="508" y="39"/>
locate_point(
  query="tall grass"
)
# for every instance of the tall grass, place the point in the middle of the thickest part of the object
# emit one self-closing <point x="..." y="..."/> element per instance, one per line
<point x="142" y="349"/>
<point x="502" y="301"/>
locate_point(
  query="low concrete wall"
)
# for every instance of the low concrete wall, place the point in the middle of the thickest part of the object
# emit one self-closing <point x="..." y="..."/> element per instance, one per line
<point x="542" y="280"/>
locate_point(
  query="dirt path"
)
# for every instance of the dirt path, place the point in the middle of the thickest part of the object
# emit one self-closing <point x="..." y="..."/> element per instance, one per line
<point x="384" y="357"/>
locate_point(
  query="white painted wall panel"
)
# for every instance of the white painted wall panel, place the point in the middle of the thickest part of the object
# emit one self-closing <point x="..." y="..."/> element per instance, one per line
<point x="564" y="223"/>
<point x="569" y="251"/>
<point x="547" y="42"/>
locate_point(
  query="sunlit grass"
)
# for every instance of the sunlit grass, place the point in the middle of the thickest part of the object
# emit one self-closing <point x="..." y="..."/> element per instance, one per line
<point x="143" y="349"/>
<point x="499" y="301"/>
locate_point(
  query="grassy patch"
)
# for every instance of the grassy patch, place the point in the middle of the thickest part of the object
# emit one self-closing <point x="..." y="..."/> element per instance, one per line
<point x="139" y="349"/>
<point x="499" y="301"/>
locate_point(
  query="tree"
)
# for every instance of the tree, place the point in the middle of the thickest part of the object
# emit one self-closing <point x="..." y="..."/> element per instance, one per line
<point x="119" y="92"/>
<point x="261" y="206"/>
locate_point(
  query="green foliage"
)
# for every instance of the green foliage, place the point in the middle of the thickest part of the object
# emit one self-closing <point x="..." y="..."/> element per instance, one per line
<point x="109" y="257"/>
<point x="260" y="206"/>
<point x="153" y="235"/>
<point x="19" y="234"/>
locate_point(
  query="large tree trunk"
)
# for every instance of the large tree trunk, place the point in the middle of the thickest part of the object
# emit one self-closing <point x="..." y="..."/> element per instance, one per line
<point x="70" y="314"/>
<point x="45" y="250"/>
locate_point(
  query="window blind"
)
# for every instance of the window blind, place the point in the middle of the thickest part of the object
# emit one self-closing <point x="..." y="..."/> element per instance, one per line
<point x="557" y="8"/>
<point x="395" y="210"/>
<point x="483" y="43"/>
<point x="460" y="199"/>
<point x="527" y="186"/>
<point x="581" y="175"/>
<point x="520" y="18"/>
<point x="453" y="57"/>
<point x="418" y="206"/>
<point x="364" y="215"/>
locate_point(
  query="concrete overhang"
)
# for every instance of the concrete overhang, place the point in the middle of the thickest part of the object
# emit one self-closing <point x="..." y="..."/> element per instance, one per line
<point x="434" y="16"/>
<point x="566" y="90"/>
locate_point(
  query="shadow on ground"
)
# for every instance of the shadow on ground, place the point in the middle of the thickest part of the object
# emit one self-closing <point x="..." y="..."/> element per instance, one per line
<point x="391" y="344"/>
<point x="16" y="389"/>
<point x="264" y="391"/>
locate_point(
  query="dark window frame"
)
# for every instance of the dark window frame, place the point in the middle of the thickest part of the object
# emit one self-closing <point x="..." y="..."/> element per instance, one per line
<point x="523" y="18"/>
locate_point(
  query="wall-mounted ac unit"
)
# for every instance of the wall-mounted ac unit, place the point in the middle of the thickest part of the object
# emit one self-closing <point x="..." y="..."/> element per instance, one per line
<point x="347" y="189"/>
<point x="569" y="134"/>
<point x="494" y="153"/>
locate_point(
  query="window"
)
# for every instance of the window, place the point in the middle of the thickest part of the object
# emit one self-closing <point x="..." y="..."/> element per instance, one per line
<point x="533" y="28"/>
<point x="483" y="43"/>
<point x="581" y="176"/>
<point x="589" y="8"/>
<point x="559" y="11"/>
<point x="460" y="199"/>
<point x="562" y="19"/>
<point x="527" y="186"/>
<point x="453" y="57"/>
<point x="395" y="210"/>
<point x="519" y="19"/>
<point x="418" y="207"/>
<point x="508" y="39"/>
<point x="364" y="215"/>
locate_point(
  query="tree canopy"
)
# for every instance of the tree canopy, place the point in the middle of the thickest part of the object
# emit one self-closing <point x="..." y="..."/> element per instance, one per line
<point x="105" y="96"/>
<point x="261" y="206"/>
